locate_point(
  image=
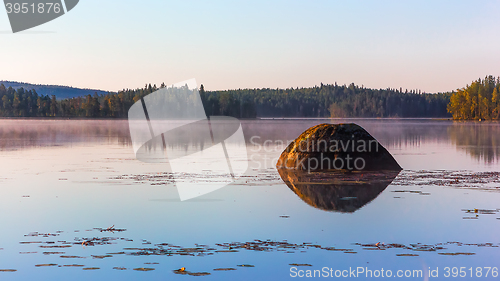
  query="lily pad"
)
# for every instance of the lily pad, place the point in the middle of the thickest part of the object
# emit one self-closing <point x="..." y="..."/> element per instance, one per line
<point x="102" y="257"/>
<point x="457" y="254"/>
<point x="91" y="268"/>
<point x="71" y="257"/>
<point x="144" y="269"/>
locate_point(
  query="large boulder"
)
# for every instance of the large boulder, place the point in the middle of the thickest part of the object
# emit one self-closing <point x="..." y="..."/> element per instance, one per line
<point x="339" y="147"/>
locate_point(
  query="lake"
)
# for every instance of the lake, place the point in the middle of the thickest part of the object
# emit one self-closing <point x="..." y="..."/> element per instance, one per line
<point x="76" y="203"/>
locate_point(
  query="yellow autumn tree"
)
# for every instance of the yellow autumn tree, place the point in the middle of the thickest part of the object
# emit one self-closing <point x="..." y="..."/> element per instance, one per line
<point x="478" y="101"/>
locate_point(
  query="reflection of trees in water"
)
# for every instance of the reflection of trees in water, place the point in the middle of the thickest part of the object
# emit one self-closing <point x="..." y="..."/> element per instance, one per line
<point x="400" y="134"/>
<point x="481" y="140"/>
<point x="26" y="133"/>
<point x="391" y="133"/>
<point x="16" y="134"/>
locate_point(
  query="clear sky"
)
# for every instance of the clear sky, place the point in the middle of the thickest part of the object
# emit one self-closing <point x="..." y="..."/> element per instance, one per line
<point x="429" y="45"/>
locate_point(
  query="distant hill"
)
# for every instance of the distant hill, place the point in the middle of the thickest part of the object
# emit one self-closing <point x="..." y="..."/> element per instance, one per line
<point x="61" y="92"/>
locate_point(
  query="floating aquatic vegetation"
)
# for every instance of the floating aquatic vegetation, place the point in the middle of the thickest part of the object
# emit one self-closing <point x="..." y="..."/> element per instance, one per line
<point x="144" y="269"/>
<point x="46" y="264"/>
<point x="300" y="264"/>
<point x="458" y="179"/>
<point x="407" y="255"/>
<point x="422" y="247"/>
<point x="264" y="177"/>
<point x="226" y="251"/>
<point x="183" y="271"/>
<point x="53" y="253"/>
<point x="335" y="249"/>
<point x="457" y="254"/>
<point x="55" y="246"/>
<point x="91" y="268"/>
<point x="282" y="246"/>
<point x="224" y="269"/>
<point x="268" y="245"/>
<point x="198" y="273"/>
<point x="8" y="270"/>
<point x="102" y="257"/>
<point x="473" y="244"/>
<point x="478" y="212"/>
<point x="414" y="247"/>
<point x="97" y="241"/>
<point x="71" y="257"/>
<point x="411" y="191"/>
<point x="110" y="229"/>
<point x="36" y="234"/>
<point x="481" y="211"/>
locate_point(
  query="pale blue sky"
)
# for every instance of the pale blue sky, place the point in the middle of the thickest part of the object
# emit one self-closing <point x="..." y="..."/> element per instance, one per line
<point x="430" y="45"/>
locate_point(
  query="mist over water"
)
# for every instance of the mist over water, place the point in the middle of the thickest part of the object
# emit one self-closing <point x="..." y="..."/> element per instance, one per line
<point x="480" y="140"/>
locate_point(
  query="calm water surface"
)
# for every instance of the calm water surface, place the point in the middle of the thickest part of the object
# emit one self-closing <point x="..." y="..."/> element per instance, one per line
<point x="61" y="181"/>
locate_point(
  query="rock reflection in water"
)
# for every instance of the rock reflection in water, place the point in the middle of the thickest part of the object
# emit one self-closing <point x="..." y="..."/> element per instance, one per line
<point x="337" y="191"/>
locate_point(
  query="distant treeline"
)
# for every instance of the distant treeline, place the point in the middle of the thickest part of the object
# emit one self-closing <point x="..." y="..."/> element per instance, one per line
<point x="480" y="100"/>
<point x="318" y="101"/>
<point x="325" y="101"/>
<point x="61" y="92"/>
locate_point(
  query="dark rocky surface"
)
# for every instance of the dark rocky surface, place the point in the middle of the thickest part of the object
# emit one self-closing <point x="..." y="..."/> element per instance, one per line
<point x="337" y="147"/>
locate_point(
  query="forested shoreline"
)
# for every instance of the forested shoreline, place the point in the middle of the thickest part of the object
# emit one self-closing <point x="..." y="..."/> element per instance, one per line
<point x="318" y="101"/>
<point x="477" y="101"/>
<point x="328" y="101"/>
